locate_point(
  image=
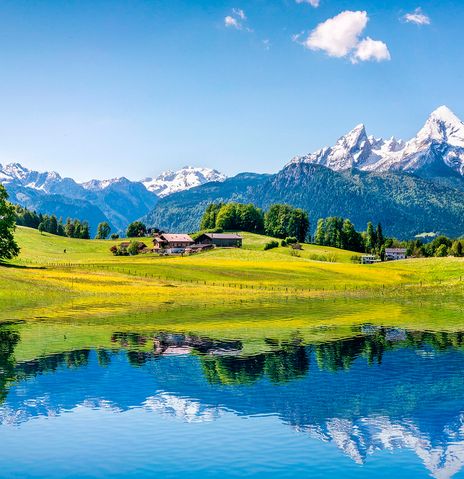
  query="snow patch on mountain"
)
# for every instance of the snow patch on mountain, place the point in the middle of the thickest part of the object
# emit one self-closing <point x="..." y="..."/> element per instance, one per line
<point x="439" y="144"/>
<point x="188" y="177"/>
<point x="98" y="185"/>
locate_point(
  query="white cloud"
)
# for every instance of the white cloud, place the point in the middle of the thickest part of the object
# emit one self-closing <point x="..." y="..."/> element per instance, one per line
<point x="417" y="17"/>
<point x="267" y="44"/>
<point x="237" y="20"/>
<point x="369" y="49"/>
<point x="232" y="22"/>
<point x="314" y="3"/>
<point x="340" y="37"/>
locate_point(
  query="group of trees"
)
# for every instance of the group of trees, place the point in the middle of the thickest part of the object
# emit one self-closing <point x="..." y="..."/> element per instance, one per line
<point x="136" y="230"/>
<point x="233" y="216"/>
<point x="440" y="246"/>
<point x="71" y="229"/>
<point x="280" y="221"/>
<point x="51" y="224"/>
<point x="341" y="233"/>
<point x="283" y="221"/>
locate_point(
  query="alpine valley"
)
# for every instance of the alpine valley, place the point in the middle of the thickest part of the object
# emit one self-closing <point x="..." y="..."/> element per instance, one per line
<point x="411" y="187"/>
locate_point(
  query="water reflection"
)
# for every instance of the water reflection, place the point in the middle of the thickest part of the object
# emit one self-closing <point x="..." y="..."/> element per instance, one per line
<point x="383" y="389"/>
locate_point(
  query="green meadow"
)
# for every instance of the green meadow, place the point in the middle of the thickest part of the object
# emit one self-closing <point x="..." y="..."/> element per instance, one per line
<point x="88" y="281"/>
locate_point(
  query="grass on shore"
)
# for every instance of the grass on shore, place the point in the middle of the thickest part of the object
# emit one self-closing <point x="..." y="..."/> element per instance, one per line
<point x="89" y="280"/>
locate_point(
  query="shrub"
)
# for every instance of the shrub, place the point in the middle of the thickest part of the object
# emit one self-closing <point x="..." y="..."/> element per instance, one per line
<point x="114" y="236"/>
<point x="134" y="248"/>
<point x="291" y="240"/>
<point x="283" y="243"/>
<point x="271" y="244"/>
<point x="119" y="251"/>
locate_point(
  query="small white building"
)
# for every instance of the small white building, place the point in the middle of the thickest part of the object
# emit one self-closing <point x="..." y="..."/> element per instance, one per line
<point x="369" y="259"/>
<point x="394" y="254"/>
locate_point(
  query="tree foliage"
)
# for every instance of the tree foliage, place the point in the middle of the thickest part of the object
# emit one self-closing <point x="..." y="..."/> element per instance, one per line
<point x="8" y="246"/>
<point x="73" y="228"/>
<point x="338" y="233"/>
<point x="282" y="221"/>
<point x="136" y="230"/>
<point x="103" y="230"/>
<point x="233" y="216"/>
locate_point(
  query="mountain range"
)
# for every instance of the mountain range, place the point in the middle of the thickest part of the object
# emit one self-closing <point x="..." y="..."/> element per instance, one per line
<point x="118" y="201"/>
<point x="411" y="187"/>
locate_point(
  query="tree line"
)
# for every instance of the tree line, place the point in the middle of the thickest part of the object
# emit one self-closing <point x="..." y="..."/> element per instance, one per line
<point x="73" y="228"/>
<point x="279" y="221"/>
<point x="341" y="233"/>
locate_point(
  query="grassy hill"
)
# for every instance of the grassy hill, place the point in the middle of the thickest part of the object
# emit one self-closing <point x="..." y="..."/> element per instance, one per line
<point x="88" y="280"/>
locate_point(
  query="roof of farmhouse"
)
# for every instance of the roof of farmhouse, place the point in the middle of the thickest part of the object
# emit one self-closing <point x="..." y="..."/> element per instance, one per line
<point x="395" y="250"/>
<point x="172" y="238"/>
<point x="225" y="236"/>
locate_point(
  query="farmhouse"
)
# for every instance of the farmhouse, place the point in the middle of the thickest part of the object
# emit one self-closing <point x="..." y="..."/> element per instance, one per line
<point x="221" y="240"/>
<point x="369" y="259"/>
<point x="393" y="254"/>
<point x="171" y="243"/>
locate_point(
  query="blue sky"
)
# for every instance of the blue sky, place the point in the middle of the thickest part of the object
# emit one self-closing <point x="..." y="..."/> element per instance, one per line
<point x="97" y="89"/>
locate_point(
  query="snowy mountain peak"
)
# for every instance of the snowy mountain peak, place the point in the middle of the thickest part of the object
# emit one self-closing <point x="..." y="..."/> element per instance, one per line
<point x="445" y="114"/>
<point x="98" y="185"/>
<point x="187" y="177"/>
<point x="444" y="126"/>
<point x="438" y="147"/>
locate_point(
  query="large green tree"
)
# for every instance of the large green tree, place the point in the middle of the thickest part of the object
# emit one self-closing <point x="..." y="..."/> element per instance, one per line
<point x="8" y="246"/>
<point x="319" y="237"/>
<point x="208" y="221"/>
<point x="371" y="239"/>
<point x="136" y="230"/>
<point x="103" y="230"/>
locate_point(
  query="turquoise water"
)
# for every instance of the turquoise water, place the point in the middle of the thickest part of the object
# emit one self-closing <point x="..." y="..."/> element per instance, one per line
<point x="383" y="403"/>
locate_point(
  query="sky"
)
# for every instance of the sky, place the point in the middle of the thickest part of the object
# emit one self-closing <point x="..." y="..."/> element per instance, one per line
<point x="101" y="89"/>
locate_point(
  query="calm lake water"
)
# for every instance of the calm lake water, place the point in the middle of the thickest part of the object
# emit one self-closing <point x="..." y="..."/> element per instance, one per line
<point x="375" y="401"/>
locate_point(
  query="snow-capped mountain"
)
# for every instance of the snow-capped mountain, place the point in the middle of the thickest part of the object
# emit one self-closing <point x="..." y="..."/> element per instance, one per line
<point x="118" y="201"/>
<point x="438" y="149"/>
<point x="98" y="185"/>
<point x="174" y="181"/>
<point x="367" y="435"/>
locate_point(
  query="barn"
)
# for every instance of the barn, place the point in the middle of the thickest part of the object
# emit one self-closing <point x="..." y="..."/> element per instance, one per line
<point x="221" y="240"/>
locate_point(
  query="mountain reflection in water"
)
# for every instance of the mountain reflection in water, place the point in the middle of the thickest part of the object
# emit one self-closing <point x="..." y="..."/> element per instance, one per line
<point x="379" y="390"/>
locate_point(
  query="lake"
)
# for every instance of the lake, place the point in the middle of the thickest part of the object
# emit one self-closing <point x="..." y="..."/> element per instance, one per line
<point x="364" y="392"/>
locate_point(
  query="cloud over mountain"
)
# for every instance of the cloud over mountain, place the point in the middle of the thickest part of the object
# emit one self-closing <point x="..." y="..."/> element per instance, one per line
<point x="340" y="37"/>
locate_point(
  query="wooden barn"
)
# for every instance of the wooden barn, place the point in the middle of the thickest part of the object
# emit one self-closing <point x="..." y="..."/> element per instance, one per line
<point x="221" y="240"/>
